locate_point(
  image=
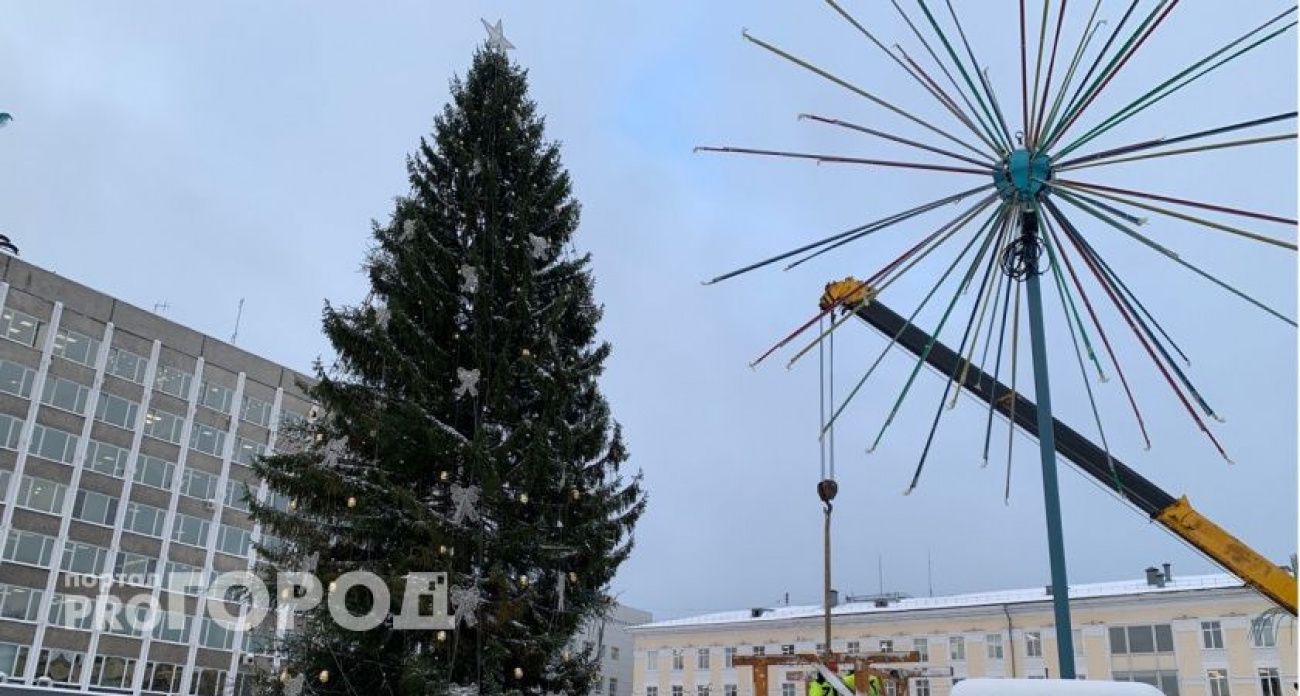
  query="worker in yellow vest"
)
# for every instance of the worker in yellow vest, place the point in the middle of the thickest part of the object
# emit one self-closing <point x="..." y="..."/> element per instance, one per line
<point x="873" y="684"/>
<point x="851" y="680"/>
<point x="817" y="686"/>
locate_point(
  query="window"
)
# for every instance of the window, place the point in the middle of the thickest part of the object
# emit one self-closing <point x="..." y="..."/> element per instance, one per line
<point x="256" y="411"/>
<point x="134" y="569"/>
<point x="677" y="690"/>
<point x="52" y="444"/>
<point x="853" y="647"/>
<point x="112" y="672"/>
<point x="1166" y="680"/>
<point x="190" y="530"/>
<point x="65" y="395"/>
<point x="729" y="658"/>
<point x="207" y="439"/>
<point x="163" y="678"/>
<point x="117" y="411"/>
<point x="41" y="495"/>
<point x="787" y="649"/>
<point x="956" y="648"/>
<point x="216" y="397"/>
<point x="1141" y="640"/>
<point x="95" y="508"/>
<point x="994" y="643"/>
<point x="126" y="620"/>
<point x="127" y="365"/>
<point x="1218" y="680"/>
<point x="920" y="687"/>
<point x="1034" y="643"/>
<point x="1212" y="636"/>
<point x="16" y="379"/>
<point x="213" y="635"/>
<point x="198" y="484"/>
<point x="208" y="682"/>
<point x="10" y="429"/>
<point x="4" y="482"/>
<point x="652" y="660"/>
<point x="1263" y="632"/>
<point x="29" y="547"/>
<point x="183" y="577"/>
<point x="73" y="611"/>
<point x="1270" y="684"/>
<point x="652" y="691"/>
<point x="173" y="627"/>
<point x="20" y="604"/>
<point x="144" y="519"/>
<point x="922" y="646"/>
<point x="247" y="450"/>
<point x="289" y="419"/>
<point x="678" y="661"/>
<point x="13" y="658"/>
<point x="154" y="472"/>
<point x="886" y="646"/>
<point x="237" y="495"/>
<point x="759" y="650"/>
<point x="174" y="381"/>
<point x="613" y="686"/>
<point x="106" y="459"/>
<point x="61" y="666"/>
<point x="163" y="426"/>
<point x="613" y="652"/>
<point x="702" y="658"/>
<point x="86" y="559"/>
<point x="19" y="327"/>
<point x="787" y="689"/>
<point x="76" y="347"/>
<point x="235" y="541"/>
<point x="728" y="690"/>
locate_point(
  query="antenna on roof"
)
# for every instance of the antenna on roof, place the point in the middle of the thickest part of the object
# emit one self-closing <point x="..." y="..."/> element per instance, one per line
<point x="929" y="573"/>
<point x="160" y="307"/>
<point x="238" y="315"/>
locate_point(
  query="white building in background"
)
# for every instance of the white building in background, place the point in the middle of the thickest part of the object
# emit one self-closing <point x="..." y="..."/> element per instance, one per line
<point x="611" y="637"/>
<point x="1187" y="636"/>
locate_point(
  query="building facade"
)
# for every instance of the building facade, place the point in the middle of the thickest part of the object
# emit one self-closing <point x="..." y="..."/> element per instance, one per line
<point x="125" y="444"/>
<point x="611" y="638"/>
<point x="1193" y="636"/>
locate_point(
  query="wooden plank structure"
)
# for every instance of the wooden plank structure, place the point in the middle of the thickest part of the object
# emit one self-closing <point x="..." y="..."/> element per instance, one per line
<point x="862" y="665"/>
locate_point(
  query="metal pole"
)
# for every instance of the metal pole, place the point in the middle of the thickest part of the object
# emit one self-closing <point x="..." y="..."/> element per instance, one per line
<point x="826" y="490"/>
<point x="1047" y="449"/>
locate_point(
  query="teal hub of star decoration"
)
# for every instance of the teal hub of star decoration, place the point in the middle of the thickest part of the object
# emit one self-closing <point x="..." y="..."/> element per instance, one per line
<point x="1022" y="176"/>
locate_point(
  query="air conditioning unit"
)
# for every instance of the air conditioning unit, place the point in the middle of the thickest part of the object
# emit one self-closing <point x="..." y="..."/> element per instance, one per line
<point x="247" y="659"/>
<point x="211" y="505"/>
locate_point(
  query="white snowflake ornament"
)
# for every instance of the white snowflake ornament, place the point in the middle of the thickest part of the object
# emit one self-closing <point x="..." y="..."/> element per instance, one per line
<point x="466" y="601"/>
<point x="540" y="246"/>
<point x="382" y="315"/>
<point x="333" y="451"/>
<point x="408" y="231"/>
<point x="465" y="498"/>
<point x="468" y="382"/>
<point x="468" y="279"/>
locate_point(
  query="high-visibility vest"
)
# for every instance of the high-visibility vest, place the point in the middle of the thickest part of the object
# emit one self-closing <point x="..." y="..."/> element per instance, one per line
<point x="873" y="685"/>
<point x="851" y="681"/>
<point x="815" y="688"/>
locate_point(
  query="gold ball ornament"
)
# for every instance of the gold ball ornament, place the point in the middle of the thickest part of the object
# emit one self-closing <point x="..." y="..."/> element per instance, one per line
<point x="526" y="353"/>
<point x="576" y="494"/>
<point x="293" y="505"/>
<point x="523" y="580"/>
<point x="333" y="586"/>
<point x="442" y="636"/>
<point x="442" y="476"/>
<point x="519" y="673"/>
<point x="324" y="676"/>
<point x="573" y="577"/>
<point x="284" y="677"/>
<point x="352" y="502"/>
<point x="523" y="498"/>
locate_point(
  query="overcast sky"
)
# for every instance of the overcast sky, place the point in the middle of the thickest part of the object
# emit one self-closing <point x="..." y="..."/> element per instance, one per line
<point x="195" y="154"/>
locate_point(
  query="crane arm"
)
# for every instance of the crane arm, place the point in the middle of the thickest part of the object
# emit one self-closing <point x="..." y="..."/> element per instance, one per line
<point x="1175" y="514"/>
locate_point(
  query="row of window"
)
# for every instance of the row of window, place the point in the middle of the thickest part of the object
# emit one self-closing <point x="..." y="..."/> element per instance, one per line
<point x="64" y="668"/>
<point x="78" y="612"/>
<point x="82" y="349"/>
<point x="1124" y="640"/>
<point x="36" y="549"/>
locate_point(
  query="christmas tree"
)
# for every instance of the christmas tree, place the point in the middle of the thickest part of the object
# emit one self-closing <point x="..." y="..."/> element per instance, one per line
<point x="461" y="428"/>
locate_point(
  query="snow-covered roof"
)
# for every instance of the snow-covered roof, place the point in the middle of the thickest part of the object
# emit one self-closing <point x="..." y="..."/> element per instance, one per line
<point x="1037" y="594"/>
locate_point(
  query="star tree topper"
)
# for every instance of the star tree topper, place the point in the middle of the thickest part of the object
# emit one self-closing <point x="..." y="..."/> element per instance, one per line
<point x="497" y="40"/>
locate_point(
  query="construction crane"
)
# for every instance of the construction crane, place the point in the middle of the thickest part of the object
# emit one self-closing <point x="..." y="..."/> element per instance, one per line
<point x="1175" y="514"/>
